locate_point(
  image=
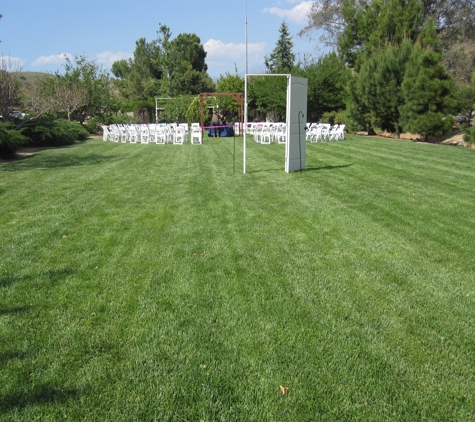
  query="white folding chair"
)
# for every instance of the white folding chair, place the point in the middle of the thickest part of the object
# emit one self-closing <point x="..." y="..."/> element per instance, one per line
<point x="266" y="134"/>
<point x="281" y="134"/>
<point x="325" y="132"/>
<point x="340" y="134"/>
<point x="179" y="135"/>
<point x="196" y="135"/>
<point x="144" y="134"/>
<point x="133" y="133"/>
<point x="114" y="133"/>
<point x="105" y="133"/>
<point x="124" y="135"/>
<point x="333" y="132"/>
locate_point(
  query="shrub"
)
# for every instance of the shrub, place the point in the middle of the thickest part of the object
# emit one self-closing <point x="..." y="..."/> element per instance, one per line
<point x="193" y="113"/>
<point x="10" y="140"/>
<point x="468" y="134"/>
<point x="344" y="117"/>
<point x="55" y="132"/>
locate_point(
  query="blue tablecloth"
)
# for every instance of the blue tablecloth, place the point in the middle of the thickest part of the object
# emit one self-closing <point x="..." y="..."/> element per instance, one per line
<point x="223" y="131"/>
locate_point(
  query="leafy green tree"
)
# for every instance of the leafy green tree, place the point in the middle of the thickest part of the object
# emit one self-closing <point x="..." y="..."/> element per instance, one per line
<point x="379" y="85"/>
<point x="455" y="20"/>
<point x="281" y="59"/>
<point x="193" y="112"/>
<point x="267" y="95"/>
<point x="164" y="67"/>
<point x="357" y="111"/>
<point x="427" y="88"/>
<point x="229" y="83"/>
<point x="327" y="80"/>
<point x="371" y="25"/>
<point x="95" y="84"/>
<point x="138" y="77"/>
<point x="465" y="95"/>
<point x="176" y="109"/>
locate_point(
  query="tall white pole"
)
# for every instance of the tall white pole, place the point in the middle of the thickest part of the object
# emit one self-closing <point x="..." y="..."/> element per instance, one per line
<point x="245" y="101"/>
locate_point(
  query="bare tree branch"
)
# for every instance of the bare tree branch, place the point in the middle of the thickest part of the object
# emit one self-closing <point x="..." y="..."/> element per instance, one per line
<point x="10" y="92"/>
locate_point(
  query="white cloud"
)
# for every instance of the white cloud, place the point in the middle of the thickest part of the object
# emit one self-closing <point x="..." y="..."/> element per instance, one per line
<point x="218" y="49"/>
<point x="54" y="59"/>
<point x="107" y="58"/>
<point x="298" y="14"/>
<point x="11" y="63"/>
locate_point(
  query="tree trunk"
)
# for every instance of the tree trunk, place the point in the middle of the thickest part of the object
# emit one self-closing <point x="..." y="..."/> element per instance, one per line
<point x="370" y="130"/>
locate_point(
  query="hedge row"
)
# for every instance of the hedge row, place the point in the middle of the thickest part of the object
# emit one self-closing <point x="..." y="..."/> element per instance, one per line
<point x="43" y="132"/>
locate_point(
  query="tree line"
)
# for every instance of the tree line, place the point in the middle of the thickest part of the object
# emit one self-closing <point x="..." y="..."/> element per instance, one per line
<point x="397" y="65"/>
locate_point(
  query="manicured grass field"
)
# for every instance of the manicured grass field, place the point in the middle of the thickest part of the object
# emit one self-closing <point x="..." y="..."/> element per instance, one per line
<point x="153" y="283"/>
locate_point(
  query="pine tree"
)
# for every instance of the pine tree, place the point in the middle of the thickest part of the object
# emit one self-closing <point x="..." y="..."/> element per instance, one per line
<point x="427" y="88"/>
<point x="282" y="59"/>
<point x="379" y="83"/>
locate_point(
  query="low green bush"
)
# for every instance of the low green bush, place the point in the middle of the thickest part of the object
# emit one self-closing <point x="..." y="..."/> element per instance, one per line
<point x="55" y="132"/>
<point x="468" y="134"/>
<point x="10" y="140"/>
<point x="343" y="117"/>
<point x="94" y="125"/>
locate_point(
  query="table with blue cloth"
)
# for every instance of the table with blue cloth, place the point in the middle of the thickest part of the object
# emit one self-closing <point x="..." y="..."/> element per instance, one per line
<point x="222" y="130"/>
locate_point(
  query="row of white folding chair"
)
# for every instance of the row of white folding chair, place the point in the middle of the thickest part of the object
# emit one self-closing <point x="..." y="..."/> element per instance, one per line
<point x="121" y="133"/>
<point x="158" y="133"/>
<point x="266" y="132"/>
<point x="318" y="132"/>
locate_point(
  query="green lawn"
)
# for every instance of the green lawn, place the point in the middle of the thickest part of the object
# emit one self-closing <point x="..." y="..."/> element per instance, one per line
<point x="153" y="283"/>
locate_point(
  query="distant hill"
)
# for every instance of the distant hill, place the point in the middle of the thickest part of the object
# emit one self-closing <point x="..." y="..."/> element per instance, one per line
<point x="32" y="77"/>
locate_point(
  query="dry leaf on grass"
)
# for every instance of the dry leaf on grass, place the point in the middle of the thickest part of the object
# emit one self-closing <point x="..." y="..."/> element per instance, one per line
<point x="284" y="390"/>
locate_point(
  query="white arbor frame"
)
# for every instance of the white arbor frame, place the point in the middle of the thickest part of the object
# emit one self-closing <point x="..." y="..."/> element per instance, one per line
<point x="296" y="112"/>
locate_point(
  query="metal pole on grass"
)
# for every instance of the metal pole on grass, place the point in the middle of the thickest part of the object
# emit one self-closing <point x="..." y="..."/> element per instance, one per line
<point x="245" y="103"/>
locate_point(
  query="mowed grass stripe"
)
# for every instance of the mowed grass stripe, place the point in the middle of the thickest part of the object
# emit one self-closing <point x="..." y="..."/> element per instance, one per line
<point x="182" y="290"/>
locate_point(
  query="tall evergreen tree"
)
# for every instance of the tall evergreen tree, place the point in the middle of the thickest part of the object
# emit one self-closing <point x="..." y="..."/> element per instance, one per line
<point x="379" y="85"/>
<point x="427" y="88"/>
<point x="164" y="67"/>
<point x="282" y="59"/>
<point x="372" y="25"/>
<point x="327" y="79"/>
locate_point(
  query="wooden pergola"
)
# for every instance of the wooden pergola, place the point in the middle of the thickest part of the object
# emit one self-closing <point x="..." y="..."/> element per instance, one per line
<point x="239" y="97"/>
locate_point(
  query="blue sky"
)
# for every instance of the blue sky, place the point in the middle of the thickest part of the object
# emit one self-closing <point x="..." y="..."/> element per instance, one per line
<point x="38" y="33"/>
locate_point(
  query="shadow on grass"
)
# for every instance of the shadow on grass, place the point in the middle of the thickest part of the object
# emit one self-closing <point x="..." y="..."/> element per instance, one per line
<point x="51" y="276"/>
<point x="327" y="167"/>
<point x="14" y="310"/>
<point x="304" y="170"/>
<point x="5" y="356"/>
<point x="49" y="161"/>
<point x="42" y="394"/>
<point x="265" y="170"/>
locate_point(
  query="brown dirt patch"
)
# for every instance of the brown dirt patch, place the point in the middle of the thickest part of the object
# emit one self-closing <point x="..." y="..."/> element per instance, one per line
<point x="454" y="138"/>
<point x="23" y="153"/>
